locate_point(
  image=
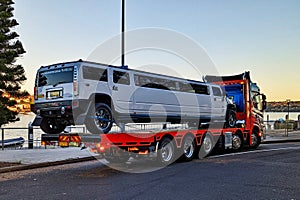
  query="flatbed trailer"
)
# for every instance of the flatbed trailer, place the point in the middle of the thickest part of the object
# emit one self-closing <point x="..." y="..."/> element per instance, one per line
<point x="168" y="145"/>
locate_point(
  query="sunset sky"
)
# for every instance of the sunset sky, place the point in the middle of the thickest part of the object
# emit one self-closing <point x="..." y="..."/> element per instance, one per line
<point x="262" y="36"/>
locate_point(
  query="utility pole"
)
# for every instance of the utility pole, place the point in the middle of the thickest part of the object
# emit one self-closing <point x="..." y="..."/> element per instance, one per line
<point x="123" y="35"/>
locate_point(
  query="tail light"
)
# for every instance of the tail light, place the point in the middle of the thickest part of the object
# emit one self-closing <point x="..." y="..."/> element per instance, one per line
<point x="75" y="89"/>
<point x="35" y="93"/>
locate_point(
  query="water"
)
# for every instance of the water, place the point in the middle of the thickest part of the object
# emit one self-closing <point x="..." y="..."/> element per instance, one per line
<point x="25" y="119"/>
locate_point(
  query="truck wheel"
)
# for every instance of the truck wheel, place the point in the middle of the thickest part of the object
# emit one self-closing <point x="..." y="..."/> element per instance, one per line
<point x="256" y="140"/>
<point x="166" y="151"/>
<point x="237" y="142"/>
<point x="188" y="148"/>
<point x="207" y="146"/>
<point x="51" y="127"/>
<point x="100" y="119"/>
<point x="230" y="119"/>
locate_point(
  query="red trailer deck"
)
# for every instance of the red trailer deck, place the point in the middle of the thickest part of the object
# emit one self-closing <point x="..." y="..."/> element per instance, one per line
<point x="169" y="145"/>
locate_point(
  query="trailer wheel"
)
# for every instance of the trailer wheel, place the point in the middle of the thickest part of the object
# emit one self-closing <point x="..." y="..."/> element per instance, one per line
<point x="256" y="140"/>
<point x="166" y="151"/>
<point x="237" y="142"/>
<point x="207" y="146"/>
<point x="100" y="119"/>
<point x="51" y="127"/>
<point x="188" y="148"/>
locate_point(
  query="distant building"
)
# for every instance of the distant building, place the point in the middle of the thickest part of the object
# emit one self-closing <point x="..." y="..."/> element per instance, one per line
<point x="23" y="104"/>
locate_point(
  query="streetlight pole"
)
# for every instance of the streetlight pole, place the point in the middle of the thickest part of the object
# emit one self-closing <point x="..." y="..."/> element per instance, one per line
<point x="288" y="101"/>
<point x="123" y="35"/>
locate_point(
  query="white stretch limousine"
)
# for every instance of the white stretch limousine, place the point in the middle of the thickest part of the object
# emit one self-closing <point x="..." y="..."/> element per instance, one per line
<point x="98" y="95"/>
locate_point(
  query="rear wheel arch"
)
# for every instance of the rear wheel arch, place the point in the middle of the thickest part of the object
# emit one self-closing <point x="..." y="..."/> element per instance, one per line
<point x="101" y="98"/>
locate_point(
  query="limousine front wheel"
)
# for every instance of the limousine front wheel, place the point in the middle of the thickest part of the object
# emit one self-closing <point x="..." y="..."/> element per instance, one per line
<point x="100" y="119"/>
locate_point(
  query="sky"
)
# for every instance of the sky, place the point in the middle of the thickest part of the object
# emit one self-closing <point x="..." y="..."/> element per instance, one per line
<point x="260" y="36"/>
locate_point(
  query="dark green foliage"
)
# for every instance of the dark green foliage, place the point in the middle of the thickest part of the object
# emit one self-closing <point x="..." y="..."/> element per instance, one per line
<point x="11" y="74"/>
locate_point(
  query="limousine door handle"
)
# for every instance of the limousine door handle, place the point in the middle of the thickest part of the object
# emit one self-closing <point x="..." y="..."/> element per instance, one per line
<point x="115" y="88"/>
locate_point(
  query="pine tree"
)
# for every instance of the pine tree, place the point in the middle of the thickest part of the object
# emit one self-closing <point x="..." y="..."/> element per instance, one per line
<point x="11" y="75"/>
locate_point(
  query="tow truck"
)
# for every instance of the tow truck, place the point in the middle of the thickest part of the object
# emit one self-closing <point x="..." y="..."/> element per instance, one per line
<point x="167" y="145"/>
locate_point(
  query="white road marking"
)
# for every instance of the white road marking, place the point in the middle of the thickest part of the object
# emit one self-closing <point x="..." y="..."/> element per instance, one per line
<point x="255" y="151"/>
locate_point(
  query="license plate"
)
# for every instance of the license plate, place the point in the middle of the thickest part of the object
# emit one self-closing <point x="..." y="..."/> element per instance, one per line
<point x="54" y="94"/>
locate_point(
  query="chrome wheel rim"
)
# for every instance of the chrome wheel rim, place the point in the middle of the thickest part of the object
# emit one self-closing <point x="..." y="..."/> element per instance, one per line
<point x="236" y="142"/>
<point x="103" y="118"/>
<point x="207" y="144"/>
<point x="188" y="147"/>
<point x="167" y="152"/>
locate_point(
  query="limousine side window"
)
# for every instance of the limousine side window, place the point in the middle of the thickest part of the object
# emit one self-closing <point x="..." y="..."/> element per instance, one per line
<point x="94" y="73"/>
<point x="120" y="77"/>
<point x="154" y="82"/>
<point x="200" y="89"/>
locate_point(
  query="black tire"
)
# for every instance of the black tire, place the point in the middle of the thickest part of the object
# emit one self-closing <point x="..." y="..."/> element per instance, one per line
<point x="166" y="152"/>
<point x="188" y="148"/>
<point x="207" y="146"/>
<point x="237" y="142"/>
<point x="51" y="127"/>
<point x="256" y="140"/>
<point x="99" y="119"/>
<point x="230" y="119"/>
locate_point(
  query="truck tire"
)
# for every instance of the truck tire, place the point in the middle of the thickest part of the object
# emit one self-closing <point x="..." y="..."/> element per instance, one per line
<point x="256" y="140"/>
<point x="237" y="142"/>
<point x="207" y="146"/>
<point x="166" y="152"/>
<point x="230" y="119"/>
<point x="99" y="119"/>
<point x="188" y="148"/>
<point x="51" y="127"/>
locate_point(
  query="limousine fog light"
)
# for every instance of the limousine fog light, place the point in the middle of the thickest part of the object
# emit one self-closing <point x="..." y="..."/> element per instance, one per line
<point x="63" y="110"/>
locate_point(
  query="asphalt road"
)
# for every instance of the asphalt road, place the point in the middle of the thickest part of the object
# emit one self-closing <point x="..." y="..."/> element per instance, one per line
<point x="271" y="172"/>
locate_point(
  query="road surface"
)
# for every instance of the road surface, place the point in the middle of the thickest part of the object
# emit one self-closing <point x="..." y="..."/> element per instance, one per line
<point x="271" y="172"/>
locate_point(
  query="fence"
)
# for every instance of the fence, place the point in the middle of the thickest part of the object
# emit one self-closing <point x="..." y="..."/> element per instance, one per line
<point x="29" y="138"/>
<point x="35" y="142"/>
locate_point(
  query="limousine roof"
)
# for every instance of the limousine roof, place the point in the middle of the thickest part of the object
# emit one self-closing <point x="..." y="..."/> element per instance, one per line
<point x="118" y="67"/>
